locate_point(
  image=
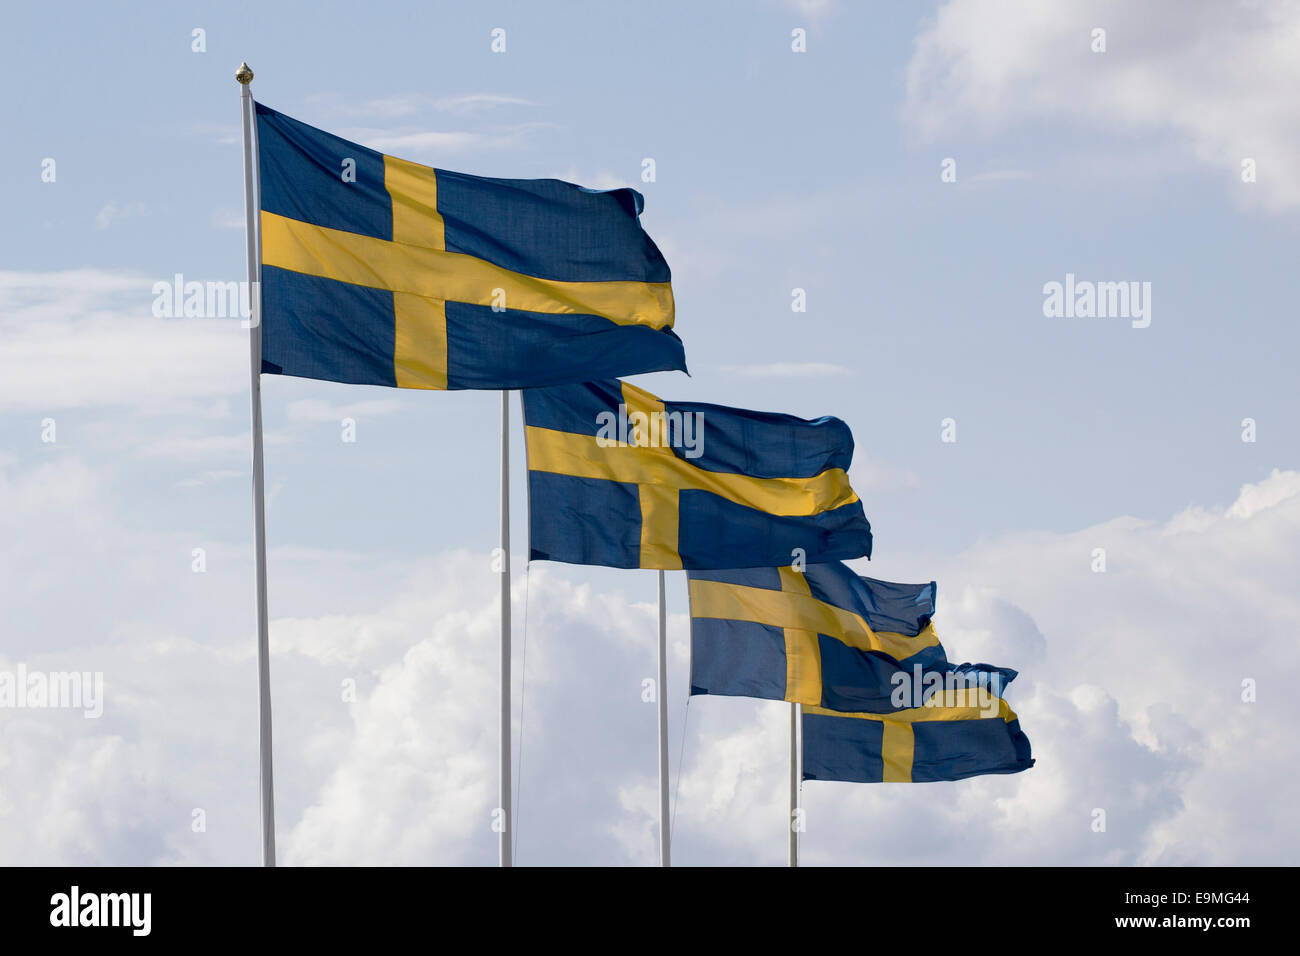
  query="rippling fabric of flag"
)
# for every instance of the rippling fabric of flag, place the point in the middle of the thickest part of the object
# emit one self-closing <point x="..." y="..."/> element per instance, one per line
<point x="620" y="478"/>
<point x="824" y="637"/>
<point x="380" y="271"/>
<point x="954" y="736"/>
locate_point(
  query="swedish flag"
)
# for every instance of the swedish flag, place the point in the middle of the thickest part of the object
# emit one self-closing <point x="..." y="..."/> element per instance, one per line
<point x="620" y="478"/>
<point x="825" y="637"/>
<point x="881" y="702"/>
<point x="943" y="740"/>
<point x="379" y="271"/>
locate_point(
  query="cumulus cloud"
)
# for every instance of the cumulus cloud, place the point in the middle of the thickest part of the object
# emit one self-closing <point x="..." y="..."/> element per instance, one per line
<point x="1130" y="689"/>
<point x="88" y="337"/>
<point x="1214" y="77"/>
<point x="384" y="677"/>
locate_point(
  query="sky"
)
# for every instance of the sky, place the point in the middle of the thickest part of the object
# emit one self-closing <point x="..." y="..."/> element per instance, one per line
<point x="921" y="171"/>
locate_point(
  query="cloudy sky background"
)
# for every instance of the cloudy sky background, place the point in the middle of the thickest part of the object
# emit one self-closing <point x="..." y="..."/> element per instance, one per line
<point x="775" y="170"/>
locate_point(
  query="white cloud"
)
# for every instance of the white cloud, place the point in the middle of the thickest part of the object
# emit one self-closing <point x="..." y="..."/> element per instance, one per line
<point x="212" y="477"/>
<point x="1272" y="491"/>
<point x="421" y="142"/>
<point x="812" y="9"/>
<point x="113" y="211"/>
<point x="473" y="102"/>
<point x="787" y="369"/>
<point x="413" y="779"/>
<point x="318" y="410"/>
<point x="224" y="217"/>
<point x="221" y="134"/>
<point x="88" y="337"/>
<point x="406" y="104"/>
<point x="1129" y="690"/>
<point x="412" y="141"/>
<point x="177" y="446"/>
<point x="1217" y="78"/>
<point x="1000" y="176"/>
<point x="866" y="474"/>
<point x="600" y="179"/>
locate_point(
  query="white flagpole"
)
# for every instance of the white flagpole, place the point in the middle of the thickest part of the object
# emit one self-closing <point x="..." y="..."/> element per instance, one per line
<point x="266" y="787"/>
<point x="661" y="694"/>
<point x="792" y="819"/>
<point x="506" y="822"/>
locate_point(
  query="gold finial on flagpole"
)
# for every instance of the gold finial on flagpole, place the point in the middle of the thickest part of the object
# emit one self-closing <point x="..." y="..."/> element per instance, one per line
<point x="244" y="74"/>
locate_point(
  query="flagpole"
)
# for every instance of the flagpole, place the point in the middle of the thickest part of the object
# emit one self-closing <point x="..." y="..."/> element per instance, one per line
<point x="661" y="695"/>
<point x="266" y="786"/>
<point x="795" y="711"/>
<point x="503" y="796"/>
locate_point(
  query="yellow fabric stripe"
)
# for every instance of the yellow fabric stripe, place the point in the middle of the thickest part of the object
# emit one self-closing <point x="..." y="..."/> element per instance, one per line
<point x="980" y="709"/>
<point x="803" y="667"/>
<point x="738" y="602"/>
<point x="803" y="655"/>
<point x="659" y="527"/>
<point x="660" y="474"/>
<point x="452" y="276"/>
<point x="413" y="190"/>
<point x="419" y="341"/>
<point x="639" y="400"/>
<point x="420" y="322"/>
<point x="658" y="502"/>
<point x="897" y="748"/>
<point x="793" y="581"/>
<point x="565" y="453"/>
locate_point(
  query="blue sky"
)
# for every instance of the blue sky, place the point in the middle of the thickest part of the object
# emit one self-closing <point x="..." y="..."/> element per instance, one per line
<point x="775" y="170"/>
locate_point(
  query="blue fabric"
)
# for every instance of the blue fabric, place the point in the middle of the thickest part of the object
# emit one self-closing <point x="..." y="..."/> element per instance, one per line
<point x="515" y="349"/>
<point x="590" y="521"/>
<point x="301" y="170"/>
<point x="575" y="409"/>
<point x="712" y="531"/>
<point x="985" y="675"/>
<point x="549" y="229"/>
<point x="842" y="748"/>
<point x="896" y="608"/>
<point x="861" y="682"/>
<point x="327" y="330"/>
<point x="769" y="578"/>
<point x="956" y="749"/>
<point x="738" y="659"/>
<point x="849" y="749"/>
<point x="854" y="680"/>
<point x="717" y="533"/>
<point x="768" y="444"/>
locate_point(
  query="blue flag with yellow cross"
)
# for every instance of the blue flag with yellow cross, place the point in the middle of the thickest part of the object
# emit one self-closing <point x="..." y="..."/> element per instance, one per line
<point x="620" y="478"/>
<point x="380" y="271"/>
<point x="823" y="637"/>
<point x="954" y="735"/>
<point x="881" y="701"/>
